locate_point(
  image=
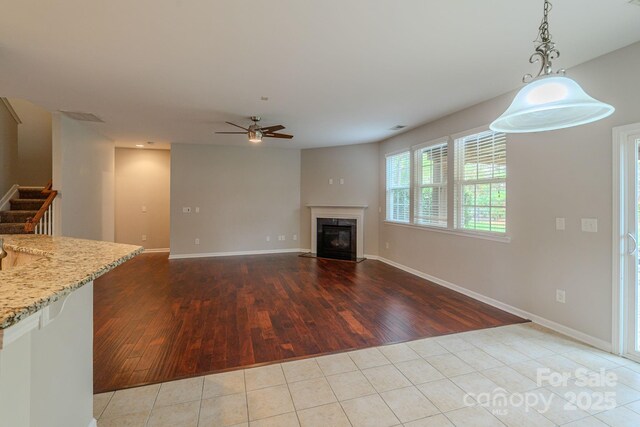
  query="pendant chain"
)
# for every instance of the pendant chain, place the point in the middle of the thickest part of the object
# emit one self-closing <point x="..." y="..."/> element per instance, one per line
<point x="545" y="50"/>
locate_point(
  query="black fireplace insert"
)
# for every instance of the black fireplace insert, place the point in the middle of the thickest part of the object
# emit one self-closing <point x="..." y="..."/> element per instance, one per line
<point x="336" y="238"/>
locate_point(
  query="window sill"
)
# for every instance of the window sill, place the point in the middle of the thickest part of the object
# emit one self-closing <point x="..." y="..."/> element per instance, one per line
<point x="484" y="236"/>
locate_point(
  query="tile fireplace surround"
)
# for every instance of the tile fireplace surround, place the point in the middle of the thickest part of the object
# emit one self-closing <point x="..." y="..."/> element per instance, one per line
<point x="338" y="211"/>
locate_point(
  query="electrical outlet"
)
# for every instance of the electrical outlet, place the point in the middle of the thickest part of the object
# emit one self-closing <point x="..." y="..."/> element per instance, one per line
<point x="379" y="209"/>
<point x="144" y="237"/>
<point x="590" y="225"/>
<point x="386" y="245"/>
<point x="268" y="238"/>
<point x="341" y="181"/>
<point x="197" y="209"/>
<point x="186" y="209"/>
<point x="560" y="224"/>
<point x="284" y="237"/>
<point x="197" y="241"/>
<point x="295" y="237"/>
<point x="330" y="181"/>
<point x="560" y="296"/>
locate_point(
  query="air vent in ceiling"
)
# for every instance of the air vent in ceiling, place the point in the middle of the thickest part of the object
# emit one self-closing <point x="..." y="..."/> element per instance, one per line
<point x="83" y="117"/>
<point x="398" y="127"/>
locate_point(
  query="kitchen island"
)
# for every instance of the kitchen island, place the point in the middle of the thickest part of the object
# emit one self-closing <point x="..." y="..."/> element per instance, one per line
<point x="46" y="327"/>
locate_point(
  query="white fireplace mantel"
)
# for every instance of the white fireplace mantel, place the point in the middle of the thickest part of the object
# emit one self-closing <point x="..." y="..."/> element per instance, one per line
<point x="338" y="211"/>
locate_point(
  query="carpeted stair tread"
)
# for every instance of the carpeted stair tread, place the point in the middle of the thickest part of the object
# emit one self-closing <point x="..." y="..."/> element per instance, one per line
<point x="12" y="228"/>
<point x="16" y="216"/>
<point x="31" y="193"/>
<point x="26" y="204"/>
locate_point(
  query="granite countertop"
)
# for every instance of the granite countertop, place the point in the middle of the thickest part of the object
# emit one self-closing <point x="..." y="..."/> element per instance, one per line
<point x="66" y="265"/>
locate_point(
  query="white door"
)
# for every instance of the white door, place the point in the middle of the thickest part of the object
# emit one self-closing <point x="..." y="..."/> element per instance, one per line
<point x="628" y="215"/>
<point x="633" y="303"/>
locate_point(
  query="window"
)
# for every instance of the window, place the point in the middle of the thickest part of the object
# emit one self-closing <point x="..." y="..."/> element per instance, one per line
<point x="456" y="184"/>
<point x="481" y="182"/>
<point x="431" y="185"/>
<point x="398" y="187"/>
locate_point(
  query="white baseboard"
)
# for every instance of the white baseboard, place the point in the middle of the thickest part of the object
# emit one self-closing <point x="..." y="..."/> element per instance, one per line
<point x="221" y="254"/>
<point x="580" y="336"/>
<point x="156" y="250"/>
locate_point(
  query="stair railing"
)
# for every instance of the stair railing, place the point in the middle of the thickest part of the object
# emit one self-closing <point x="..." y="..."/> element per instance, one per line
<point x="42" y="222"/>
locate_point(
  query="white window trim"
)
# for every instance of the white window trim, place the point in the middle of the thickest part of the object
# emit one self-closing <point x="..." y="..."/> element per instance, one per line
<point x="470" y="132"/>
<point x="414" y="179"/>
<point x="451" y="183"/>
<point x="386" y="190"/>
<point x="457" y="187"/>
<point x="438" y="141"/>
<point x="495" y="237"/>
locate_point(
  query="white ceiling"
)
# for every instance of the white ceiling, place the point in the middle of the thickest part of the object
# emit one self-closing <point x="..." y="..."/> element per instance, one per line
<point x="335" y="71"/>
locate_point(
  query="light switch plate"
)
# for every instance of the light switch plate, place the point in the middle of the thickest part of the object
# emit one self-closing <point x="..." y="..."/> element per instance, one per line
<point x="559" y="223"/>
<point x="330" y="181"/>
<point x="341" y="181"/>
<point x="590" y="225"/>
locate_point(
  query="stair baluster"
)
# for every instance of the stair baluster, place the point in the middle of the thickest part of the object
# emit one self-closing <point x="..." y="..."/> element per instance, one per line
<point x="42" y="222"/>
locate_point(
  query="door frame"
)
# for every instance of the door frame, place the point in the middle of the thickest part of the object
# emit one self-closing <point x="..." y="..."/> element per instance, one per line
<point x="622" y="173"/>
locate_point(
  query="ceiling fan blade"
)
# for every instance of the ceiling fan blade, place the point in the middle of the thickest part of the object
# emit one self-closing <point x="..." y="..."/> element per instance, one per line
<point x="238" y="126"/>
<point x="271" y="129"/>
<point x="278" y="135"/>
<point x="234" y="133"/>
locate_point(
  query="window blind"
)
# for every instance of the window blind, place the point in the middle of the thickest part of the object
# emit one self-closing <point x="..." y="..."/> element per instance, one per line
<point x="398" y="186"/>
<point x="481" y="182"/>
<point x="431" y="186"/>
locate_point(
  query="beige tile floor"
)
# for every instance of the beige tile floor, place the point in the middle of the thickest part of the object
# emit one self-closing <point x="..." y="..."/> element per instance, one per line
<point x="434" y="382"/>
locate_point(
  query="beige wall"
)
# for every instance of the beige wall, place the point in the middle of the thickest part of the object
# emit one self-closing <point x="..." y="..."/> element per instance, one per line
<point x="8" y="150"/>
<point x="356" y="164"/>
<point x="244" y="194"/>
<point x="34" y="143"/>
<point x="142" y="179"/>
<point x="565" y="173"/>
<point x="83" y="173"/>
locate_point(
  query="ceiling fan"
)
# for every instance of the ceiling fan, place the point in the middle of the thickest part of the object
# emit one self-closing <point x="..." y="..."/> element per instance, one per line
<point x="256" y="133"/>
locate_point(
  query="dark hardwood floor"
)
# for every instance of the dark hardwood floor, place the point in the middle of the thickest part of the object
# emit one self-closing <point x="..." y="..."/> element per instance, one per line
<point x="157" y="320"/>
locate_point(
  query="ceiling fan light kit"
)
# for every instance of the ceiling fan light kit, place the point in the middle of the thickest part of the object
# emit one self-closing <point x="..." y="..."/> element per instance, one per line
<point x="550" y="100"/>
<point x="255" y="136"/>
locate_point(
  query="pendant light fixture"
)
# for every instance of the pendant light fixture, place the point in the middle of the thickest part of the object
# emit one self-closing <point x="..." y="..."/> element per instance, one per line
<point x="550" y="100"/>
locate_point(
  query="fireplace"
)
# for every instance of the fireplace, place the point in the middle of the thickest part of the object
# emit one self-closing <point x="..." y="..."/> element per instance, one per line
<point x="346" y="215"/>
<point x="336" y="238"/>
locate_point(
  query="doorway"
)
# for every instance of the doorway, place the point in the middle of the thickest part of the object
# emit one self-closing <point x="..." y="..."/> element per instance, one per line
<point x="142" y="196"/>
<point x="626" y="195"/>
